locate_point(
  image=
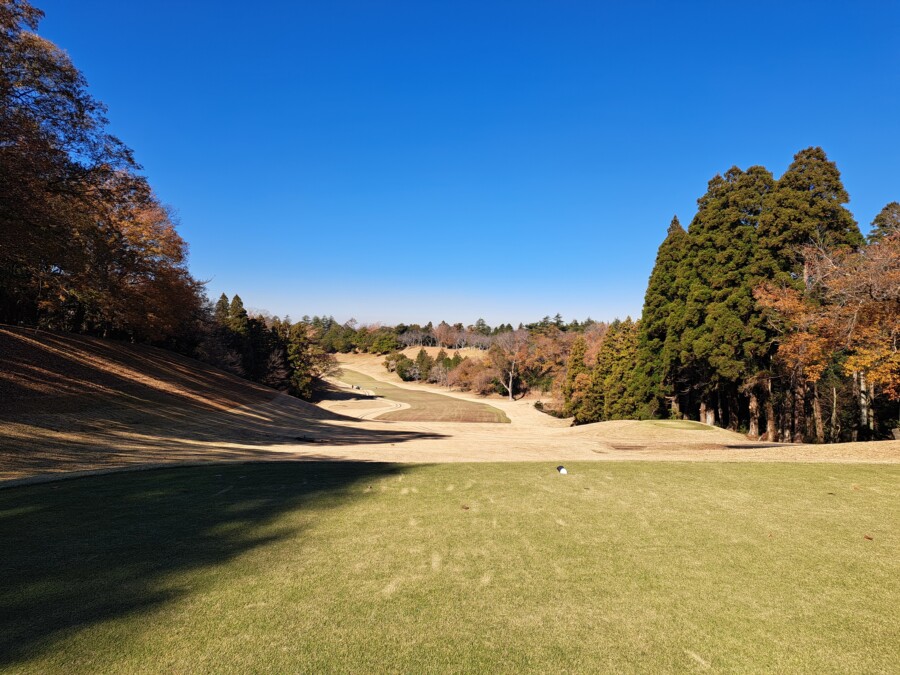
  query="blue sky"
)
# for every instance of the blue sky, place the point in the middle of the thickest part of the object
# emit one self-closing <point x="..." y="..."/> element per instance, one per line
<point x="416" y="161"/>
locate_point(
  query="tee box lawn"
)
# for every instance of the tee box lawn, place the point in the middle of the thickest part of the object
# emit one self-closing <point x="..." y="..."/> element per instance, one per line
<point x="362" y="567"/>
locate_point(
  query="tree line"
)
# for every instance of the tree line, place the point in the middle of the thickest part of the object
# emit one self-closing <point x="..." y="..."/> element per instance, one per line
<point x="770" y="314"/>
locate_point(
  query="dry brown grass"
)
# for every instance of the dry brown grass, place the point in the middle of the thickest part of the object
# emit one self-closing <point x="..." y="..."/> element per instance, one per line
<point x="72" y="403"/>
<point x="422" y="406"/>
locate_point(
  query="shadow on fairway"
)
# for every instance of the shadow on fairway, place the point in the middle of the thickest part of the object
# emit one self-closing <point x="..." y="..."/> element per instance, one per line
<point x="148" y="431"/>
<point x="82" y="552"/>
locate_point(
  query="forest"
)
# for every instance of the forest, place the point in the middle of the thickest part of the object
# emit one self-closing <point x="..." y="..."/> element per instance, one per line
<point x="770" y="314"/>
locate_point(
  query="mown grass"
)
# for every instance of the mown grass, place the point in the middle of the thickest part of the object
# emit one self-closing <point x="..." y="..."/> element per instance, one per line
<point x="679" y="424"/>
<point x="323" y="567"/>
<point x="425" y="406"/>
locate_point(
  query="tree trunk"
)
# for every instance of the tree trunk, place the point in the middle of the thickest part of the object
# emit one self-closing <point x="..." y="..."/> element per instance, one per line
<point x="870" y="400"/>
<point x="835" y="430"/>
<point x="798" y="420"/>
<point x="864" y="424"/>
<point x="817" y="415"/>
<point x="770" y="413"/>
<point x="733" y="411"/>
<point x="754" y="414"/>
<point x="863" y="404"/>
<point x="707" y="414"/>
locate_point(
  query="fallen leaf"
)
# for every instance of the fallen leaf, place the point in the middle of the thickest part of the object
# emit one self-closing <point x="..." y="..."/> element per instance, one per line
<point x="868" y="537"/>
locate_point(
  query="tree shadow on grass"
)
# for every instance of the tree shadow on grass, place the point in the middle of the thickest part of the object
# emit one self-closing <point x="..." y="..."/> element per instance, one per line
<point x="83" y="552"/>
<point x="130" y="431"/>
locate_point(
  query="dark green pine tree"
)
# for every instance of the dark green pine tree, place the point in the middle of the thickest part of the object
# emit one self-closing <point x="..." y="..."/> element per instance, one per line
<point x="424" y="363"/>
<point x="575" y="366"/>
<point x="806" y="207"/>
<point x="238" y="320"/>
<point x="886" y="223"/>
<point x="590" y="407"/>
<point x="722" y="335"/>
<point x="608" y="394"/>
<point x="653" y="380"/>
<point x="618" y="401"/>
<point x="221" y="310"/>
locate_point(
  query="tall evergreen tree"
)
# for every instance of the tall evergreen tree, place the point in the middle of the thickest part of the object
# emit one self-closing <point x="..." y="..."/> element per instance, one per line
<point x="806" y="207"/>
<point x="221" y="310"/>
<point x="886" y="223"/>
<point x="238" y="320"/>
<point x="619" y="402"/>
<point x="577" y="373"/>
<point x="609" y="393"/>
<point x="653" y="380"/>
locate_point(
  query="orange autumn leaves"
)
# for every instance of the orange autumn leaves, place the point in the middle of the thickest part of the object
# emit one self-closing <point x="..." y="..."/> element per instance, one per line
<point x="850" y="309"/>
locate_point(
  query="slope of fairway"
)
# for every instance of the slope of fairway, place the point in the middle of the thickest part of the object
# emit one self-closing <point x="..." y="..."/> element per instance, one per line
<point x="43" y="372"/>
<point x="74" y="403"/>
<point x="318" y="567"/>
<point x="423" y="406"/>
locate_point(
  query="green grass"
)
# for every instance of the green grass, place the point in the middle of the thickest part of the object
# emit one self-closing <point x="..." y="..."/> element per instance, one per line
<point x="317" y="567"/>
<point x="679" y="424"/>
<point x="425" y="406"/>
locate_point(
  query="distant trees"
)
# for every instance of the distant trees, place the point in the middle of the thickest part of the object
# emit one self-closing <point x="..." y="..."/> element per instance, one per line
<point x="275" y="352"/>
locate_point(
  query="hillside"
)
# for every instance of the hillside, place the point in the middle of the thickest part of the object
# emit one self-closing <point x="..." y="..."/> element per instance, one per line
<point x="73" y="403"/>
<point x="56" y="372"/>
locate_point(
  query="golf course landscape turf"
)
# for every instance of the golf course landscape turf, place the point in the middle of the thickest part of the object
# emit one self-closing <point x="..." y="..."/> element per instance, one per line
<point x="512" y="567"/>
<point x="424" y="406"/>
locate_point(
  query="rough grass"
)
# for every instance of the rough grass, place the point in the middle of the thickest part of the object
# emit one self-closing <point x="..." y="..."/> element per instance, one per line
<point x="425" y="406"/>
<point x="679" y="424"/>
<point x="318" y="567"/>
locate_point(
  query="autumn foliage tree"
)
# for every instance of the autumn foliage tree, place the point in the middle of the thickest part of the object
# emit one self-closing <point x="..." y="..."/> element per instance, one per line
<point x="84" y="243"/>
<point x="850" y="311"/>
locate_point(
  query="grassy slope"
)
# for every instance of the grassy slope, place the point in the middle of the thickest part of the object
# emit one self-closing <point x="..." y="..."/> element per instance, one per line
<point x="426" y="406"/>
<point x="508" y="567"/>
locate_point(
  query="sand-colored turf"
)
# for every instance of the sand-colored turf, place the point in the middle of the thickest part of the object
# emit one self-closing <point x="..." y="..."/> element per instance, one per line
<point x="411" y="405"/>
<point x="126" y="405"/>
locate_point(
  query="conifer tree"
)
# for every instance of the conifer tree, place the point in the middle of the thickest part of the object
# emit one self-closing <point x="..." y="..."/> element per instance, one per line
<point x="577" y="376"/>
<point x="608" y="396"/>
<point x="653" y="380"/>
<point x="238" y="320"/>
<point x="806" y="207"/>
<point x="619" y="402"/>
<point x="886" y="223"/>
<point x="221" y="310"/>
<point x="424" y="364"/>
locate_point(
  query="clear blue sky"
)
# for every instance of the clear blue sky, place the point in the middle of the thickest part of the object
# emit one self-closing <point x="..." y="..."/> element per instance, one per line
<point x="422" y="161"/>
